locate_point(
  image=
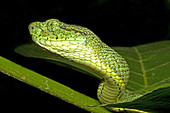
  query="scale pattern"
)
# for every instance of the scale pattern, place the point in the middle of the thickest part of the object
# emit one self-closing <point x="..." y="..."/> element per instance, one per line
<point x="81" y="45"/>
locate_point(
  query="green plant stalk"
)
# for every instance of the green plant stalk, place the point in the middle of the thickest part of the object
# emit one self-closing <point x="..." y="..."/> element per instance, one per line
<point x="50" y="86"/>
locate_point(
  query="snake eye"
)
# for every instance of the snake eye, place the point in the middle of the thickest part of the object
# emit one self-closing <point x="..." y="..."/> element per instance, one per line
<point x="52" y="25"/>
<point x="31" y="27"/>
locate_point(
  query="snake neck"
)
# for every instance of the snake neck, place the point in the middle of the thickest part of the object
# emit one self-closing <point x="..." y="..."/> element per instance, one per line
<point x="82" y="46"/>
<point x="108" y="93"/>
<point x="103" y="60"/>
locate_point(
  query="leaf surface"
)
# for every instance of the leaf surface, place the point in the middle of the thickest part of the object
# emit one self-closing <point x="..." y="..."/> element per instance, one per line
<point x="149" y="64"/>
<point x="153" y="102"/>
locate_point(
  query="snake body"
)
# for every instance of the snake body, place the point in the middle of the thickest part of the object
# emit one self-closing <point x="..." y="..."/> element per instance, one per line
<point x="81" y="45"/>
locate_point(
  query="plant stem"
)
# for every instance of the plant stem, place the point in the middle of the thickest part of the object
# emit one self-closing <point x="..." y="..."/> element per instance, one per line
<point x="49" y="86"/>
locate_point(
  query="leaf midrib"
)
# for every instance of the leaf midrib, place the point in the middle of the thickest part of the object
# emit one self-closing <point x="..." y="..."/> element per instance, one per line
<point x="144" y="71"/>
<point x="142" y="66"/>
<point x="141" y="62"/>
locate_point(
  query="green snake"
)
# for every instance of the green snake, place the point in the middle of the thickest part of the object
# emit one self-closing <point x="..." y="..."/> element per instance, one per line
<point x="81" y="45"/>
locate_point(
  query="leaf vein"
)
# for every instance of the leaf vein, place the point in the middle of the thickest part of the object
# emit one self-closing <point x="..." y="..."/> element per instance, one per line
<point x="158" y="66"/>
<point x="132" y="59"/>
<point x="136" y="73"/>
<point x="152" y="51"/>
<point x="167" y="79"/>
<point x="135" y="83"/>
<point x="142" y="66"/>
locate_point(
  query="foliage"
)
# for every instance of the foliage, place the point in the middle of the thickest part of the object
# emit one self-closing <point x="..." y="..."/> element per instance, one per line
<point x="150" y="73"/>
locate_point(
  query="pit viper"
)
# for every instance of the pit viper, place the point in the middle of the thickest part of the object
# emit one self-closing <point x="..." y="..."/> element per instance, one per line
<point x="81" y="45"/>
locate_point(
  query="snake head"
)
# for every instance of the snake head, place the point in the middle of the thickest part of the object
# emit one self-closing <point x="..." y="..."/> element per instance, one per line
<point x="54" y="29"/>
<point x="53" y="32"/>
<point x="43" y="31"/>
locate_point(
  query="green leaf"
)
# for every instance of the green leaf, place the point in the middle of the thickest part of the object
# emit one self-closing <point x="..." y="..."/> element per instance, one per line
<point x="149" y="64"/>
<point x="50" y="86"/>
<point x="153" y="102"/>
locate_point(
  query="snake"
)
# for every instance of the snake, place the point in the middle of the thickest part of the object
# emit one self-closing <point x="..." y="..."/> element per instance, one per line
<point x="80" y="45"/>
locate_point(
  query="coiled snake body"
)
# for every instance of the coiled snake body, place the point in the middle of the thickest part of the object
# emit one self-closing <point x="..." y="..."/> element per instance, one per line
<point x="82" y="46"/>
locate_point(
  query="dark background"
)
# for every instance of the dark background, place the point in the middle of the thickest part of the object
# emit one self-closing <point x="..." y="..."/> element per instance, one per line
<point x="117" y="23"/>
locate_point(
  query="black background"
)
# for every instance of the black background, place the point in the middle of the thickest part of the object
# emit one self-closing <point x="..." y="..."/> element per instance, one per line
<point x="117" y="23"/>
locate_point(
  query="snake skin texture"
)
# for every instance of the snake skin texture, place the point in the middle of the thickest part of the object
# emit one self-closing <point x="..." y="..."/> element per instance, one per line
<point x="81" y="45"/>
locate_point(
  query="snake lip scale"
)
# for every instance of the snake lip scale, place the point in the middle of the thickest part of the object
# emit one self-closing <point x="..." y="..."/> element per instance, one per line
<point x="82" y="46"/>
